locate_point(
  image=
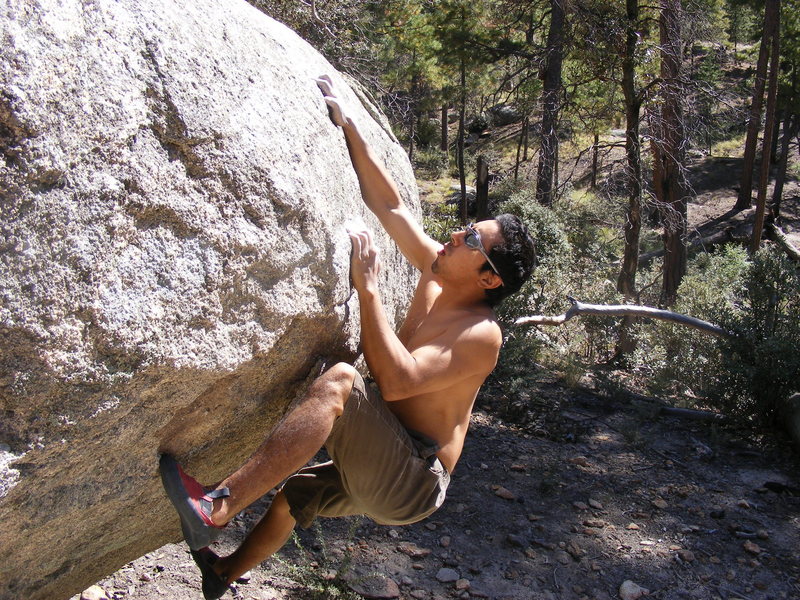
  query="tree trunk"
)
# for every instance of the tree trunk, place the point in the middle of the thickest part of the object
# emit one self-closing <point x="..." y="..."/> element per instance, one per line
<point x="444" y="143"/>
<point x="551" y="102"/>
<point x="769" y="126"/>
<point x="626" y="282"/>
<point x="522" y="135"/>
<point x="462" y="205"/>
<point x="482" y="190"/>
<point x="525" y="142"/>
<point x="412" y="116"/>
<point x="754" y="123"/>
<point x="411" y="133"/>
<point x="776" y="131"/>
<point x="669" y="181"/>
<point x="790" y="126"/>
<point x="595" y="152"/>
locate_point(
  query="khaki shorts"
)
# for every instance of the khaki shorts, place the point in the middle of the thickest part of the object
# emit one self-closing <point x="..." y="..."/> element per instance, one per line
<point x="377" y="468"/>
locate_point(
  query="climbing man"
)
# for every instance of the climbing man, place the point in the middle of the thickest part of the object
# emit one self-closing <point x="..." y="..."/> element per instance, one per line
<point x="392" y="445"/>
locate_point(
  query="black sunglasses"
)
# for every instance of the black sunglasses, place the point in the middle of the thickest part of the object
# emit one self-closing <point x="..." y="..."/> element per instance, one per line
<point x="472" y="239"/>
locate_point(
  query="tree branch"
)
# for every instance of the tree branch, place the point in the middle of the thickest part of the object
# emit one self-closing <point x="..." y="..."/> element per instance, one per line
<point x="618" y="310"/>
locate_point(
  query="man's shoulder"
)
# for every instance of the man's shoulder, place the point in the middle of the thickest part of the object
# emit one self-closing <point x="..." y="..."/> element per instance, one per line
<point x="478" y="325"/>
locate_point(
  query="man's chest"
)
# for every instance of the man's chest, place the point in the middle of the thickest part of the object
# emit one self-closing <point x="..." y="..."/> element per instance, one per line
<point x="418" y="318"/>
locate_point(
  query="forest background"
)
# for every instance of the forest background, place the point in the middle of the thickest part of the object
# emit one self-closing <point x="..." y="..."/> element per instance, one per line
<point x="600" y="122"/>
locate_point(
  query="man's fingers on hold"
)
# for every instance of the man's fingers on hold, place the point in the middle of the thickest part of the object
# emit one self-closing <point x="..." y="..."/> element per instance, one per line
<point x="324" y="83"/>
<point x="355" y="242"/>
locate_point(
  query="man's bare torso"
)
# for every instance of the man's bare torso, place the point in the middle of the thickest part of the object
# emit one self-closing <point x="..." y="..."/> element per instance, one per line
<point x="443" y="414"/>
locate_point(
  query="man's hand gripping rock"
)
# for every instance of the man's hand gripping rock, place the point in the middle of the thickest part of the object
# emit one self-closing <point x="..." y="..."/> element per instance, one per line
<point x="365" y="266"/>
<point x="335" y="109"/>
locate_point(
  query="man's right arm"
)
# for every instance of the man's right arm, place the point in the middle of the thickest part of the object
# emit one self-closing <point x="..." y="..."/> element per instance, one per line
<point x="380" y="192"/>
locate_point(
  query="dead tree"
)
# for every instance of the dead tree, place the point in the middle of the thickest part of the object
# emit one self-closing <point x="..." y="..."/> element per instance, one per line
<point x="623" y="310"/>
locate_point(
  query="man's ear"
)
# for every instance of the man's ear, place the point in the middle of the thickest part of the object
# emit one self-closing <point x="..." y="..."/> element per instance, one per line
<point x="489" y="280"/>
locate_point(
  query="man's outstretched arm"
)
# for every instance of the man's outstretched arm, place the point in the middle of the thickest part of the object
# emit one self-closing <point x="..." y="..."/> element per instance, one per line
<point x="379" y="190"/>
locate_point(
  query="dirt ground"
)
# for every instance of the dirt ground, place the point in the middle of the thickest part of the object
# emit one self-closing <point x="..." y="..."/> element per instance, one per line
<point x="596" y="492"/>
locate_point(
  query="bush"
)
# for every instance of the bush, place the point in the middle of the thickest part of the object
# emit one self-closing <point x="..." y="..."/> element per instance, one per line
<point x="750" y="375"/>
<point x="431" y="163"/>
<point x="680" y="361"/>
<point x="440" y="220"/>
<point x="560" y="272"/>
<point x="760" y="365"/>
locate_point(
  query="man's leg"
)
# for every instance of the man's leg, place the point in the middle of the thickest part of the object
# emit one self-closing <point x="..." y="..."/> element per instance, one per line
<point x="291" y="444"/>
<point x="289" y="447"/>
<point x="263" y="541"/>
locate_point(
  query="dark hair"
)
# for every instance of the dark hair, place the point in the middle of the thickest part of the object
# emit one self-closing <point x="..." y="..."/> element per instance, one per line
<point x="515" y="258"/>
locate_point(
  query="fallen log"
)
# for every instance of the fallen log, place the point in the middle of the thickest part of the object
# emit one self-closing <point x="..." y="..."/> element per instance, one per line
<point x="619" y="310"/>
<point x="727" y="235"/>
<point x="777" y="235"/>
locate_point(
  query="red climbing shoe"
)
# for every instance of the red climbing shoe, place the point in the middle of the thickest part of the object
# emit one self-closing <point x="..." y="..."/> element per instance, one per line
<point x="192" y="501"/>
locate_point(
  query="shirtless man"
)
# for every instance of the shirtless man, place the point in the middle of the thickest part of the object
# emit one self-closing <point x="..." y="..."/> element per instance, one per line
<point x="392" y="449"/>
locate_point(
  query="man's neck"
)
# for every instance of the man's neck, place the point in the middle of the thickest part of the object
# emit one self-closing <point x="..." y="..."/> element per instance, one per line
<point x="452" y="298"/>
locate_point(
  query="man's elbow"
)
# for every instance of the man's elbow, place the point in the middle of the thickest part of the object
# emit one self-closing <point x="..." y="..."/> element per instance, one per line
<point x="393" y="393"/>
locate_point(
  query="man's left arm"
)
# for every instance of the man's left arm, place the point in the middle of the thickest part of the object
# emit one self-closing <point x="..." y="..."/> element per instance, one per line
<point x="457" y="353"/>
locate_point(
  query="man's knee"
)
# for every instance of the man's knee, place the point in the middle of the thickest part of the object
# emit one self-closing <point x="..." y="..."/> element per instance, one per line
<point x="336" y="383"/>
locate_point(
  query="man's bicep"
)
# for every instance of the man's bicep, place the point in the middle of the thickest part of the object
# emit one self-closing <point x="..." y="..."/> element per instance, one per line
<point x="440" y="366"/>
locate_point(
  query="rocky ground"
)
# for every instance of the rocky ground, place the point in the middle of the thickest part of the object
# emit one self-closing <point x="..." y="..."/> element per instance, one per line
<point x="597" y="492"/>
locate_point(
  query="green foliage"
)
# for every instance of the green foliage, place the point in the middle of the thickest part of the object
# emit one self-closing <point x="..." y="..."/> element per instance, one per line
<point x="751" y="374"/>
<point x="561" y="271"/>
<point x="440" y="220"/>
<point x="760" y="364"/>
<point x="680" y="361"/>
<point x="431" y="163"/>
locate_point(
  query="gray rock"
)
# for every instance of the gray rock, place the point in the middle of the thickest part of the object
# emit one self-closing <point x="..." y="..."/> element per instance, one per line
<point x="376" y="587"/>
<point x="446" y="575"/>
<point x="792" y="410"/>
<point x="504" y="114"/>
<point x="173" y="265"/>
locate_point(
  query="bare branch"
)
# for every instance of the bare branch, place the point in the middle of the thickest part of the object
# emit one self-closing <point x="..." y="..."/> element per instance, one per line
<point x="619" y="310"/>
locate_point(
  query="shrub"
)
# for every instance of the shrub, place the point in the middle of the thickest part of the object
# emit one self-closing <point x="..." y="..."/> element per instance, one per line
<point x="560" y="273"/>
<point x="760" y="365"/>
<point x="680" y="361"/>
<point x="431" y="163"/>
<point x="750" y="375"/>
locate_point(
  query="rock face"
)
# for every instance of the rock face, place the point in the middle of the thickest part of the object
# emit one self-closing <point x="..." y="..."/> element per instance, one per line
<point x="173" y="263"/>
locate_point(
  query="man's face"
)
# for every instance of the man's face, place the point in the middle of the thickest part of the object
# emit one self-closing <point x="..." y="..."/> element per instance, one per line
<point x="458" y="259"/>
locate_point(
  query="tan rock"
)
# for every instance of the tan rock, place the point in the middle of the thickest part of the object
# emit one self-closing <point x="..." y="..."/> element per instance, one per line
<point x="412" y="550"/>
<point x="504" y="493"/>
<point x="686" y="555"/>
<point x="94" y="592"/>
<point x="752" y="547"/>
<point x="174" y="262"/>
